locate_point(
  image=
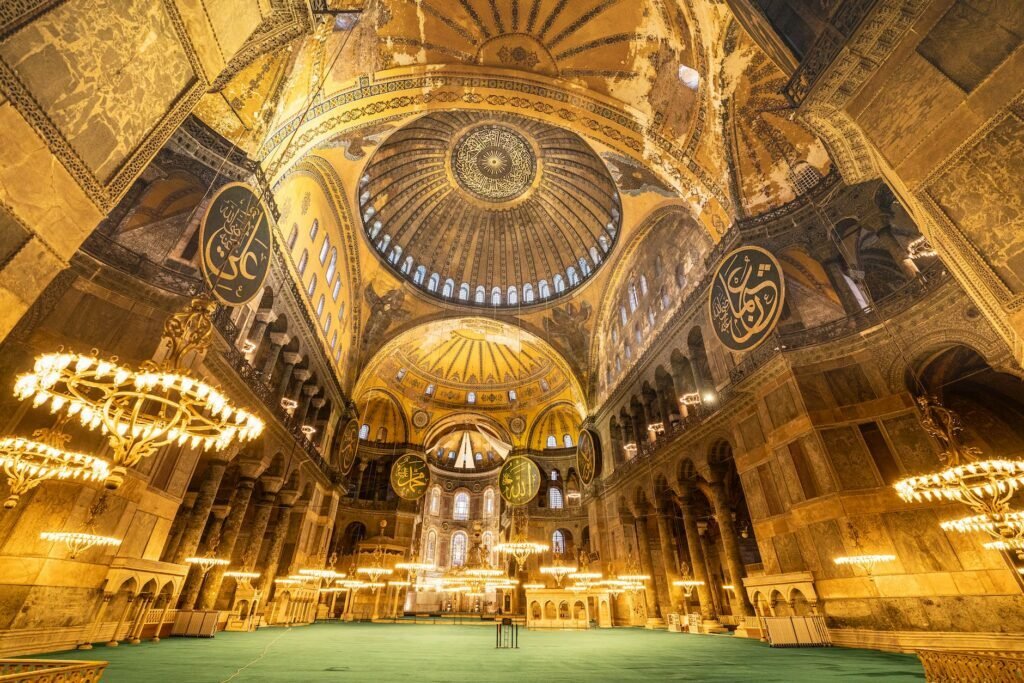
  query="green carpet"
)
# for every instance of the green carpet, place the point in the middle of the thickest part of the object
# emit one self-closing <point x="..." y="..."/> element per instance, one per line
<point x="387" y="652"/>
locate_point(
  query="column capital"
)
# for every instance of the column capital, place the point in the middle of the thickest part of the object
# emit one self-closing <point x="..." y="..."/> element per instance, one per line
<point x="279" y="338"/>
<point x="310" y="389"/>
<point x="271" y="485"/>
<point x="265" y="315"/>
<point x="288" y="497"/>
<point x="189" y="499"/>
<point x="292" y="358"/>
<point x="302" y="374"/>
<point x="250" y="466"/>
<point x="221" y="511"/>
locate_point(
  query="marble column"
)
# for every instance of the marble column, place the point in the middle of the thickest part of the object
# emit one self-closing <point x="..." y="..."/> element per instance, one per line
<point x="731" y="545"/>
<point x="194" y="580"/>
<point x="290" y="361"/>
<point x="120" y="622"/>
<point x="837" y="278"/>
<point x="178" y="525"/>
<point x="301" y="376"/>
<point x="278" y="340"/>
<point x="308" y="392"/>
<point x="285" y="501"/>
<point x="258" y="526"/>
<point x="714" y="587"/>
<point x="201" y="509"/>
<point x="667" y="557"/>
<point x="249" y="469"/>
<point x="697" y="565"/>
<point x="643" y="539"/>
<point x="896" y="252"/>
<point x="258" y="331"/>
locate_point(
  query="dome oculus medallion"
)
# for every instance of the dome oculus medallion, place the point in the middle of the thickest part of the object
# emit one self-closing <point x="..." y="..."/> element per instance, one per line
<point x="489" y="210"/>
<point x="494" y="163"/>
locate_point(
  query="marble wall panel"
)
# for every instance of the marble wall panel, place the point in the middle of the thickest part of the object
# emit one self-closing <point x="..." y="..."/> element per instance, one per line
<point x="813" y="391"/>
<point x="915" y="450"/>
<point x="781" y="405"/>
<point x="982" y="194"/>
<point x="752" y="492"/>
<point x="849" y="385"/>
<point x="849" y="458"/>
<point x="750" y="432"/>
<point x="104" y="72"/>
<point x="788" y="549"/>
<point x="818" y="463"/>
<point x="920" y="544"/>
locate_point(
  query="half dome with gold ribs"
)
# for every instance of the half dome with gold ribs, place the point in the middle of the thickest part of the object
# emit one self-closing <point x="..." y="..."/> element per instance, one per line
<point x="489" y="210"/>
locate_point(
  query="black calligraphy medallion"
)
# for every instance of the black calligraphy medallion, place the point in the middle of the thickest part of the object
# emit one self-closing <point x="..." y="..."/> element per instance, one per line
<point x="519" y="480"/>
<point x="235" y="244"/>
<point x="746" y="298"/>
<point x="410" y="476"/>
<point x="348" y="446"/>
<point x="588" y="456"/>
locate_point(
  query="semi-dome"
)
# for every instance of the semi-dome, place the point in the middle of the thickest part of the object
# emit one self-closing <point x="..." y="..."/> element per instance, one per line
<point x="490" y="210"/>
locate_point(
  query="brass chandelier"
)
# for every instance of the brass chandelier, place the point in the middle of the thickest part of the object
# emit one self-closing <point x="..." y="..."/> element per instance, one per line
<point x="141" y="410"/>
<point x="519" y="546"/>
<point x="29" y="462"/>
<point x="985" y="486"/>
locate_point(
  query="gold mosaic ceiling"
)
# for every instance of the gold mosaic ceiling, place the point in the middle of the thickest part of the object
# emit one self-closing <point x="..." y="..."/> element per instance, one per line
<point x="489" y="210"/>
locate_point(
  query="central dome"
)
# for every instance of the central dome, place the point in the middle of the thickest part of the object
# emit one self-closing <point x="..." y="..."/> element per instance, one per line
<point x="489" y="210"/>
<point x="494" y="163"/>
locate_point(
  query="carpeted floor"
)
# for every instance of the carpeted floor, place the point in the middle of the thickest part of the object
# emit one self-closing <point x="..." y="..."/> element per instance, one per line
<point x="385" y="652"/>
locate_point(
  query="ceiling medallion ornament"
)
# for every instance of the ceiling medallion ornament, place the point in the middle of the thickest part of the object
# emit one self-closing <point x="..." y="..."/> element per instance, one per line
<point x="746" y="298"/>
<point x="420" y="419"/>
<point x="410" y="476"/>
<point x="588" y="456"/>
<point x="494" y="163"/>
<point x="519" y="480"/>
<point x="349" y="446"/>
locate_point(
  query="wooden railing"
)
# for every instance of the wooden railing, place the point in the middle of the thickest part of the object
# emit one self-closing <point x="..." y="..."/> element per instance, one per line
<point x="944" y="666"/>
<point x="50" y="671"/>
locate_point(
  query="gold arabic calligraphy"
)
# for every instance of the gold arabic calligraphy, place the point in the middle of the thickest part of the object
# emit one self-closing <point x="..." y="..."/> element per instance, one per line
<point x="410" y="476"/>
<point x="236" y="244"/>
<point x="746" y="298"/>
<point x="519" y="480"/>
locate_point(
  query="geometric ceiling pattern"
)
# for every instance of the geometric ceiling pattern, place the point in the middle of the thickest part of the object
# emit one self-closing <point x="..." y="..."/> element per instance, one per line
<point x="489" y="210"/>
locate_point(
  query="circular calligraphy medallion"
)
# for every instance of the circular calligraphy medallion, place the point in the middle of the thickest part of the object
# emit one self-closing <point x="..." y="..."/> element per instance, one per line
<point x="746" y="298"/>
<point x="348" y="446"/>
<point x="588" y="456"/>
<point x="410" y="476"/>
<point x="517" y="425"/>
<point x="494" y="163"/>
<point x="235" y="244"/>
<point x="420" y="419"/>
<point x="519" y="480"/>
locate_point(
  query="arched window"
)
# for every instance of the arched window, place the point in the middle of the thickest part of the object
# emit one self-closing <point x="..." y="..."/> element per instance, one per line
<point x="320" y="306"/>
<point x="566" y="440"/>
<point x="605" y="244"/>
<point x="430" y="390"/>
<point x="634" y="300"/>
<point x="377" y="226"/>
<point x="324" y="250"/>
<point x="663" y="299"/>
<point x="554" y="475"/>
<point x="396" y="254"/>
<point x="629" y="351"/>
<point x="574" y="279"/>
<point x="651" y="316"/>
<point x="558" y="541"/>
<point x="552" y="442"/>
<point x="595" y="255"/>
<point x="488" y="502"/>
<point x="431" y="549"/>
<point x="643" y="285"/>
<point x="615" y="335"/>
<point x="659" y="266"/>
<point x="461" y="510"/>
<point x="584" y="266"/>
<point x="513" y="295"/>
<point x="555" y="498"/>
<point x="464" y="292"/>
<point x="327" y="324"/>
<point x="478" y="297"/>
<point x="638" y="335"/>
<point x="293" y="237"/>
<point x="435" y="501"/>
<point x="511" y="395"/>
<point x="303" y="260"/>
<point x="528" y="293"/>
<point x="314" y="229"/>
<point x="337" y="289"/>
<point x="449" y="288"/>
<point x="496" y="296"/>
<point x="559" y="283"/>
<point x="433" y="282"/>
<point x="618" y="363"/>
<point x="382" y="434"/>
<point x="334" y="339"/>
<point x="312" y="285"/>
<point x="458" y="557"/>
<point x="680" y="276"/>
<point x="384" y="242"/>
<point x="622" y="314"/>
<point x="543" y="289"/>
<point x="421" y="274"/>
<point x="471" y="397"/>
<point x="364" y="432"/>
